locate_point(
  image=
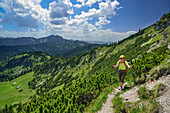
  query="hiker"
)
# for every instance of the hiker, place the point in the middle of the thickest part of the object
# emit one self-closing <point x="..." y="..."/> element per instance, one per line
<point x="122" y="69"/>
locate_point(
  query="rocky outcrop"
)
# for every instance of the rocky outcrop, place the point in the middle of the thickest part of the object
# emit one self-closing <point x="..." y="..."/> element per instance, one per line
<point x="163" y="23"/>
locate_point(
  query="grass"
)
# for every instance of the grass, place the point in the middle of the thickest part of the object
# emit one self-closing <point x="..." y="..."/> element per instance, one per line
<point x="57" y="88"/>
<point x="118" y="103"/>
<point x="97" y="103"/>
<point x="145" y="105"/>
<point x="158" y="87"/>
<point x="9" y="94"/>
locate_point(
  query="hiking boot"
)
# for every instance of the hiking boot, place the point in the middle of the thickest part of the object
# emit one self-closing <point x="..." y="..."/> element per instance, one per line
<point x="120" y="88"/>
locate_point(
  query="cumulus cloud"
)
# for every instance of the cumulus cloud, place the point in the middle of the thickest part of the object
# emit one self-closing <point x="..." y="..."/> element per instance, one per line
<point x="76" y="22"/>
<point x="106" y="9"/>
<point x="29" y="13"/>
<point x="78" y="5"/>
<point x="82" y="1"/>
<point x="23" y="12"/>
<point x="91" y="2"/>
<point x="102" y="21"/>
<point x="60" y="9"/>
<point x="58" y="21"/>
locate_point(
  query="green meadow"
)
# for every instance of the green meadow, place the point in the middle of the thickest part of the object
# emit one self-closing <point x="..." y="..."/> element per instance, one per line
<point x="9" y="94"/>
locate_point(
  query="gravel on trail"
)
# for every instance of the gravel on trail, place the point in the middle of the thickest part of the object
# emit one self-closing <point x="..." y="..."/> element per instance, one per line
<point x="132" y="96"/>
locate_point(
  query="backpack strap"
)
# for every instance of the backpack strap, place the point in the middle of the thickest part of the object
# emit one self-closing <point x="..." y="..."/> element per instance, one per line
<point x="124" y="64"/>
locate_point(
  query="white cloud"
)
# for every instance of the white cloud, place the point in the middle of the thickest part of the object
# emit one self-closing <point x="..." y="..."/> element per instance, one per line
<point x="31" y="30"/>
<point x="119" y="8"/>
<point x="89" y="15"/>
<point x="60" y="9"/>
<point x="106" y="9"/>
<point x="79" y="31"/>
<point x="59" y="21"/>
<point x="102" y="21"/>
<point x="76" y="22"/>
<point x="91" y="2"/>
<point x="82" y="1"/>
<point x="56" y="20"/>
<point x="1" y="27"/>
<point x="78" y="5"/>
<point x="4" y="6"/>
<point x="23" y="12"/>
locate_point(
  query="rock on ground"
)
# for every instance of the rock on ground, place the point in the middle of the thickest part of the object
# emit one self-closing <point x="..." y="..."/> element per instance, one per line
<point x="131" y="95"/>
<point x="108" y="106"/>
<point x="164" y="99"/>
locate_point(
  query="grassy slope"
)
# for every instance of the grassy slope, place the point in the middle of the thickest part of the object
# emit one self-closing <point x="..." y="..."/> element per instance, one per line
<point x="94" y="106"/>
<point x="147" y="103"/>
<point x="9" y="94"/>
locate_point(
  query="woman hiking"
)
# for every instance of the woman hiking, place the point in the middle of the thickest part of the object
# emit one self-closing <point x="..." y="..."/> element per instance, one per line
<point x="122" y="69"/>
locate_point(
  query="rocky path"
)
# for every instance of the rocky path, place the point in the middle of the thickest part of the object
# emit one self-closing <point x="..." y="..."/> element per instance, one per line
<point x="108" y="106"/>
<point x="132" y="96"/>
<point x="164" y="99"/>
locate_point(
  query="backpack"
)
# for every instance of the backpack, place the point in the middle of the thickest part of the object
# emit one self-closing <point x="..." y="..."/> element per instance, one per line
<point x="124" y="64"/>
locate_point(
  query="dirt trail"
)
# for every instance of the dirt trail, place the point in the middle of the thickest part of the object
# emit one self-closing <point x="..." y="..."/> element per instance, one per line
<point x="132" y="96"/>
<point x="108" y="106"/>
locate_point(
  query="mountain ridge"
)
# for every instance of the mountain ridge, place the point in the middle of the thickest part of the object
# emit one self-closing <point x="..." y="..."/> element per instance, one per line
<point x="53" y="45"/>
<point x="29" y="40"/>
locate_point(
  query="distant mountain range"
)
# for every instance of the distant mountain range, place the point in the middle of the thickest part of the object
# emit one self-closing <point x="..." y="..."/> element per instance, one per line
<point x="29" y="40"/>
<point x="54" y="45"/>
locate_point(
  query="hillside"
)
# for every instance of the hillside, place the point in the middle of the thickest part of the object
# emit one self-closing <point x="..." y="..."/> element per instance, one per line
<point x="29" y="40"/>
<point x="75" y="84"/>
<point x="53" y="45"/>
<point x="18" y="65"/>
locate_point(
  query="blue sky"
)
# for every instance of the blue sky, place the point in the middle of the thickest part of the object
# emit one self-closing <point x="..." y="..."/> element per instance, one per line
<point x="89" y="20"/>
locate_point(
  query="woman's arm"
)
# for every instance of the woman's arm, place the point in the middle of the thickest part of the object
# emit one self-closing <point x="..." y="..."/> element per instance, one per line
<point x="115" y="66"/>
<point x="129" y="66"/>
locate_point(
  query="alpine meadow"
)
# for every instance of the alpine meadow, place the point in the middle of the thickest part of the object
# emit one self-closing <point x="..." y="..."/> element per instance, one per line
<point x="80" y="79"/>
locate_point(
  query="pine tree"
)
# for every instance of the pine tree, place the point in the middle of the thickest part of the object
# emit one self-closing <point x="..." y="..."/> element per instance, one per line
<point x="28" y="109"/>
<point x="10" y="109"/>
<point x="6" y="108"/>
<point x="41" y="109"/>
<point x="20" y="107"/>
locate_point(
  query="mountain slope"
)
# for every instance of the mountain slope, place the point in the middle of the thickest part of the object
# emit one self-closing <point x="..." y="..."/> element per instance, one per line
<point x="51" y="45"/>
<point x="18" y="65"/>
<point x="71" y="84"/>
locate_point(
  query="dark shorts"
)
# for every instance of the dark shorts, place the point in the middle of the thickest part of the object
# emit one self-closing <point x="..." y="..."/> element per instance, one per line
<point x="122" y="75"/>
